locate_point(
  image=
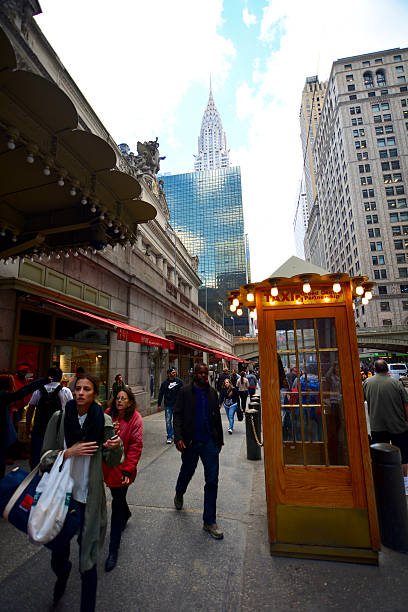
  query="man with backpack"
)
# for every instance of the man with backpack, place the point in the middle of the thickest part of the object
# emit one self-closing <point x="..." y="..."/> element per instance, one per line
<point x="45" y="401"/>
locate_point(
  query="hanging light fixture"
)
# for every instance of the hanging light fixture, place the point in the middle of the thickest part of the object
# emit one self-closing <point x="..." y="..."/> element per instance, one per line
<point x="235" y="302"/>
<point x="232" y="308"/>
<point x="240" y="312"/>
<point x="359" y="289"/>
<point x="274" y="290"/>
<point x="364" y="300"/>
<point x="84" y="200"/>
<point x="46" y="171"/>
<point x="30" y="158"/>
<point x="336" y="284"/>
<point x="306" y="284"/>
<point x="61" y="181"/>
<point x="11" y="144"/>
<point x="72" y="191"/>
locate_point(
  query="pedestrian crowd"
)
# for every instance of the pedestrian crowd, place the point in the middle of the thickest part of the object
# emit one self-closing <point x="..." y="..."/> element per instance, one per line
<point x="59" y="419"/>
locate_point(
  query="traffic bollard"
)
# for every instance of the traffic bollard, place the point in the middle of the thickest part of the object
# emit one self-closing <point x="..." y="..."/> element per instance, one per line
<point x="390" y="495"/>
<point x="253" y="421"/>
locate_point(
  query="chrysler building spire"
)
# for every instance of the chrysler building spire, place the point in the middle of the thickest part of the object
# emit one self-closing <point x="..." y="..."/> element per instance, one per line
<point x="212" y="142"/>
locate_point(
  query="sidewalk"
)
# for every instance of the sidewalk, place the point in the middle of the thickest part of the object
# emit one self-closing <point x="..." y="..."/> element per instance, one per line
<point x="167" y="562"/>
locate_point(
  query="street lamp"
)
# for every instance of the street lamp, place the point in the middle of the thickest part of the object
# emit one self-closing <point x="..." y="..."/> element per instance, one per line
<point x="233" y="324"/>
<point x="223" y="313"/>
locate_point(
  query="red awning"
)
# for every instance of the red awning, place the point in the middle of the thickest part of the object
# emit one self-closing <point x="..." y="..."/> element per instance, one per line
<point x="126" y="332"/>
<point x="201" y="347"/>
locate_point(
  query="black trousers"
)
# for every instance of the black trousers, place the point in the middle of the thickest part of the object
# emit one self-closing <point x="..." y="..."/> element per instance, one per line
<point x="243" y="396"/>
<point x="60" y="566"/>
<point x="120" y="516"/>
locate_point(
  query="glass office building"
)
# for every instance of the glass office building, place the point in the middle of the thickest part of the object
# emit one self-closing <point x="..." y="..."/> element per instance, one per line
<point x="206" y="212"/>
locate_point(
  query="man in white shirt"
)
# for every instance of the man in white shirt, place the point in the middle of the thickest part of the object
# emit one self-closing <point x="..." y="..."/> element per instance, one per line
<point x="45" y="401"/>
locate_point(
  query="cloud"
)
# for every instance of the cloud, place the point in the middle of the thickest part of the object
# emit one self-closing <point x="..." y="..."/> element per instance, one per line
<point x="135" y="63"/>
<point x="248" y="18"/>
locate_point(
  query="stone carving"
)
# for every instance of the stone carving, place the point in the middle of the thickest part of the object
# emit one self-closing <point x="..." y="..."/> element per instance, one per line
<point x="194" y="263"/>
<point x="147" y="160"/>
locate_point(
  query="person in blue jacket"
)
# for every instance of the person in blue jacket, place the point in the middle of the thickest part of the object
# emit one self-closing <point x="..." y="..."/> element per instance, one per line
<point x="169" y="390"/>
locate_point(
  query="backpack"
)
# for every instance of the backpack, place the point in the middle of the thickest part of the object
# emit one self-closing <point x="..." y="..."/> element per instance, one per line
<point x="48" y="404"/>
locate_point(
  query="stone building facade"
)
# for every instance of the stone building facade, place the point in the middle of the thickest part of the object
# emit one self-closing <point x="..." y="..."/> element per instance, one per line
<point x="361" y="153"/>
<point x="71" y="309"/>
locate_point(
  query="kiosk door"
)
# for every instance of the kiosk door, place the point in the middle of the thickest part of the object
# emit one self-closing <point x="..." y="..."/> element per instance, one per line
<point x="315" y="479"/>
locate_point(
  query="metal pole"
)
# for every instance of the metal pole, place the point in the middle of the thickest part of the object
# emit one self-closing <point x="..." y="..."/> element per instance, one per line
<point x="233" y="326"/>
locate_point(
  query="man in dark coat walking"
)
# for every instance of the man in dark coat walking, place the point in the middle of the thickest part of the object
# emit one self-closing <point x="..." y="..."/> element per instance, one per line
<point x="198" y="435"/>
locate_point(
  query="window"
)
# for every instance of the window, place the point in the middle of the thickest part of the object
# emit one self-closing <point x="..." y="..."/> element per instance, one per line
<point x="391" y="141"/>
<point x="387" y="322"/>
<point x="370" y="206"/>
<point x="381" y="260"/>
<point x="381" y="142"/>
<point x="387" y="178"/>
<point x="372" y="246"/>
<point x="353" y="96"/>
<point x="404" y="304"/>
<point x="367" y="63"/>
<point x="377" y="118"/>
<point x="382" y="289"/>
<point x="397" y="58"/>
<point x="396" y="230"/>
<point x="371" y="94"/>
<point x="384" y="92"/>
<point x="385" y="106"/>
<point x="368" y="79"/>
<point x="393" y="152"/>
<point x="369" y="219"/>
<point x="351" y="87"/>
<point x="375" y="108"/>
<point x="384" y="306"/>
<point x="371" y="233"/>
<point x="364" y="155"/>
<point x="398" y="244"/>
<point x="404" y="288"/>
<point x="366" y="180"/>
<point x="389" y="129"/>
<point x="403" y="272"/>
<point x="392" y="203"/>
<point x="397" y="177"/>
<point x="400" y="190"/>
<point x="389" y="191"/>
<point x="379" y="130"/>
<point x="349" y="78"/>
<point x="403" y="89"/>
<point x="394" y="217"/>
<point x="387" y="117"/>
<point x="378" y="60"/>
<point x="348" y="67"/>
<point x="404" y="216"/>
<point x="383" y="154"/>
<point x="403" y="101"/>
<point x="379" y="246"/>
<point x="367" y="193"/>
<point x="395" y="165"/>
<point x="385" y="165"/>
<point x="401" y="203"/>
<point x="401" y="79"/>
<point x="399" y="68"/>
<point x="401" y="259"/>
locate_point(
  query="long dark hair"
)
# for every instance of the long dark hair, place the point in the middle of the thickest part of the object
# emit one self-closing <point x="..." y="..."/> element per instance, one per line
<point x="130" y="409"/>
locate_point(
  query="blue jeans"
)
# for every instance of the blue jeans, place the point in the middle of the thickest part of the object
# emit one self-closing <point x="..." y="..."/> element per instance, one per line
<point x="230" y="410"/>
<point x="169" y="420"/>
<point x="208" y="452"/>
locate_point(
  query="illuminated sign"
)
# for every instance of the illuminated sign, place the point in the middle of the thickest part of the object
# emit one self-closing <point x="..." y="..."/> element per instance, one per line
<point x="296" y="297"/>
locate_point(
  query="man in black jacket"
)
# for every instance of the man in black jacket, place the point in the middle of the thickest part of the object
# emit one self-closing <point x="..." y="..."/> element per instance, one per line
<point x="169" y="390"/>
<point x="198" y="434"/>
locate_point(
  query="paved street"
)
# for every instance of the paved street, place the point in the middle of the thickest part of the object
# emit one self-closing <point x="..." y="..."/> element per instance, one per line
<point x="167" y="562"/>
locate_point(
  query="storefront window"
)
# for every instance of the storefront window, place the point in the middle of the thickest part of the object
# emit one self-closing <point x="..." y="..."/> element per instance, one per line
<point x="75" y="331"/>
<point x="92" y="360"/>
<point x="35" y="324"/>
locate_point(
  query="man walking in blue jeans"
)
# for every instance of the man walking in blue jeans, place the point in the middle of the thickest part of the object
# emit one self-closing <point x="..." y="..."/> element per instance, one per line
<point x="169" y="390"/>
<point x="198" y="435"/>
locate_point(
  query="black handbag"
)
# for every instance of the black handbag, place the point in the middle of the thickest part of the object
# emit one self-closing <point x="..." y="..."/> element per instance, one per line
<point x="240" y="414"/>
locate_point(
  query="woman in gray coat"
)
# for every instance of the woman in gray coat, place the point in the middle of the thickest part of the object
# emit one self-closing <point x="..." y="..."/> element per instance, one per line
<point x="88" y="437"/>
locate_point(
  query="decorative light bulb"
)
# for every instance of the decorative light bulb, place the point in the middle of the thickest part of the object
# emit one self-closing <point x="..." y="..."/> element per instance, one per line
<point x="75" y="253"/>
<point x="11" y="144"/>
<point x="354" y="306"/>
<point x="93" y="208"/>
<point x="122" y="237"/>
<point x="110" y="223"/>
<point x="235" y="302"/>
<point x="84" y="200"/>
<point x="336" y="287"/>
<point x="274" y="291"/>
<point x="116" y="230"/>
<point x="57" y="256"/>
<point x="47" y="171"/>
<point x="233" y="308"/>
<point x="250" y="297"/>
<point x="61" y="182"/>
<point x="359" y="290"/>
<point x="102" y="216"/>
<point x="306" y="287"/>
<point x="368" y="295"/>
<point x="239" y="312"/>
<point x="364" y="301"/>
<point x="2" y="232"/>
<point x="14" y="238"/>
<point x="30" y="158"/>
<point x="94" y="251"/>
<point x="66" y="255"/>
<point x="72" y="191"/>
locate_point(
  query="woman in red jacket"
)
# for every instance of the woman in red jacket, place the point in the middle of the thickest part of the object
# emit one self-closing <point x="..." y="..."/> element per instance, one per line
<point x="129" y="426"/>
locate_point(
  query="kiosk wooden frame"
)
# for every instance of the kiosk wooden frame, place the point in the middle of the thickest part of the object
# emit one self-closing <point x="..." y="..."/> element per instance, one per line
<point x="319" y="489"/>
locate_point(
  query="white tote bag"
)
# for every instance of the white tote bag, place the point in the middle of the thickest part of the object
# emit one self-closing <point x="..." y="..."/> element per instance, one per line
<point x="51" y="501"/>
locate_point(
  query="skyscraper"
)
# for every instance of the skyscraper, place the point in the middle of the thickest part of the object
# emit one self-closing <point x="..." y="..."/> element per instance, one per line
<point x="212" y="142"/>
<point x="360" y="156"/>
<point x="206" y="212"/>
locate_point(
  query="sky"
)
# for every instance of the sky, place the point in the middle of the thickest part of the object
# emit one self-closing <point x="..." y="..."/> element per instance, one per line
<point x="145" y="69"/>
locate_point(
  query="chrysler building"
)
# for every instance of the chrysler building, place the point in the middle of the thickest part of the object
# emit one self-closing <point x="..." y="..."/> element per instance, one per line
<point x="212" y="142"/>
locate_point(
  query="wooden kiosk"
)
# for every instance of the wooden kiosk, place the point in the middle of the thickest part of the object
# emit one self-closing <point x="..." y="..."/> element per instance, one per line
<point x="319" y="487"/>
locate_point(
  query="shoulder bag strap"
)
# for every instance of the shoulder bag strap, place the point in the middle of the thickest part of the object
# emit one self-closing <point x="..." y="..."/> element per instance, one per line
<point x="20" y="489"/>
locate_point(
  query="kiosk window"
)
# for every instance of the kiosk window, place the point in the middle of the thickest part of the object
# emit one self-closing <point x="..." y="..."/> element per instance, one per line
<point x="313" y="427"/>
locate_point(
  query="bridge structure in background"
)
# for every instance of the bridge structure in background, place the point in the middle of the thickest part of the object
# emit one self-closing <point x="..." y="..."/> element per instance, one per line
<point x="389" y="339"/>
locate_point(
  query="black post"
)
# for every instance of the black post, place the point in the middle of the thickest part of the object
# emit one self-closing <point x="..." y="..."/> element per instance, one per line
<point x="253" y="415"/>
<point x="390" y="496"/>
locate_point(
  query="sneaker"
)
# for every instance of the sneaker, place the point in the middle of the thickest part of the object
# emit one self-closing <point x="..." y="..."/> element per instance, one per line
<point x="230" y="432"/>
<point x="169" y="441"/>
<point x="178" y="501"/>
<point x="213" y="530"/>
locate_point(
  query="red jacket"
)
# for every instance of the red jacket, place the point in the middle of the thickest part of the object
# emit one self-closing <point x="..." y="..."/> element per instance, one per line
<point x="131" y="435"/>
